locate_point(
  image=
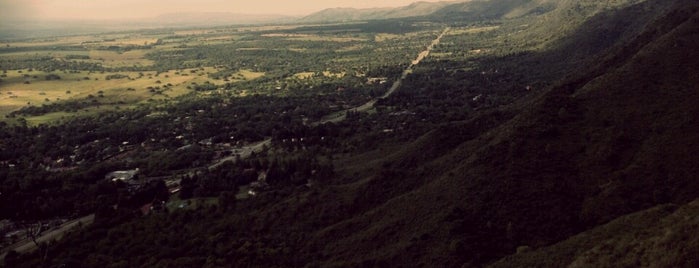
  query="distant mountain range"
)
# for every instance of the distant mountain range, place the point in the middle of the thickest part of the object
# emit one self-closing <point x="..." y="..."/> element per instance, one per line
<point x="416" y="9"/>
<point x="214" y="19"/>
<point x="21" y="29"/>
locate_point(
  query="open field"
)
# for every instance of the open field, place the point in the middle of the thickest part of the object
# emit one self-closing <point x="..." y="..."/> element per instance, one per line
<point x="116" y="59"/>
<point x="22" y="87"/>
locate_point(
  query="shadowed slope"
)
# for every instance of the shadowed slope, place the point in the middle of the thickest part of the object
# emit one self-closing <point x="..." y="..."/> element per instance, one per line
<point x="610" y="141"/>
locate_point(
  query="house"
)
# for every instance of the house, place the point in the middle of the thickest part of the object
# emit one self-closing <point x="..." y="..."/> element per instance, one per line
<point x="377" y="80"/>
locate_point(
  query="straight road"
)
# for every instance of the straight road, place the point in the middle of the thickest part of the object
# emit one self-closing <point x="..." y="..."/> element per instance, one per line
<point x="341" y="115"/>
<point x="27" y="245"/>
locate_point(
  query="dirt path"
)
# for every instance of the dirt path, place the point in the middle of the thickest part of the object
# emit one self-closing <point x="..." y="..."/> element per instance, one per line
<point x="341" y="115"/>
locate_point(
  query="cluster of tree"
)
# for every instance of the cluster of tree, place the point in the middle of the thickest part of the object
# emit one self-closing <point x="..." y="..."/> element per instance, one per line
<point x="37" y="194"/>
<point x="52" y="77"/>
<point x="77" y="57"/>
<point x="47" y="64"/>
<point x="62" y="106"/>
<point x="280" y="56"/>
<point x="116" y="76"/>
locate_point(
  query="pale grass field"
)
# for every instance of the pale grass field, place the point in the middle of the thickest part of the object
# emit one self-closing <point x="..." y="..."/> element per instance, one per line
<point x="382" y="37"/>
<point x="440" y="54"/>
<point x="250" y="75"/>
<point x="336" y="75"/>
<point x="14" y="93"/>
<point x="304" y="75"/>
<point x="114" y="59"/>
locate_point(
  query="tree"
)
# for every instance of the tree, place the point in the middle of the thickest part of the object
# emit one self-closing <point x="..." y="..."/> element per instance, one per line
<point x="227" y="200"/>
<point x="33" y="232"/>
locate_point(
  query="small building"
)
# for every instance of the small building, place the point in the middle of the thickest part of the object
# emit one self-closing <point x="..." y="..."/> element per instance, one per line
<point x="125" y="175"/>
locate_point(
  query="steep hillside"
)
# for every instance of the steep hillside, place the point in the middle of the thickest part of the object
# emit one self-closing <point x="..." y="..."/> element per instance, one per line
<point x="344" y="14"/>
<point x="616" y="139"/>
<point x="480" y="10"/>
<point x="662" y="236"/>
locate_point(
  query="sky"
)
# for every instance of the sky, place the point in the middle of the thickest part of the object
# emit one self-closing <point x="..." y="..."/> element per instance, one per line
<point x="129" y="9"/>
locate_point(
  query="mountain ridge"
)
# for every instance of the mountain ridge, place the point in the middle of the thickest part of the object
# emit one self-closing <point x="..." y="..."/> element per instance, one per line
<point x="537" y="197"/>
<point x="416" y="9"/>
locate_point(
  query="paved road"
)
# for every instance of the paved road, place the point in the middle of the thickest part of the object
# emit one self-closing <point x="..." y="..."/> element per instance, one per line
<point x="27" y="245"/>
<point x="341" y="115"/>
<point x="243" y="152"/>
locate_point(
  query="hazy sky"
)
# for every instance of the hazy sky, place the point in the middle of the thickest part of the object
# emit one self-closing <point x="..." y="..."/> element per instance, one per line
<point x="117" y="9"/>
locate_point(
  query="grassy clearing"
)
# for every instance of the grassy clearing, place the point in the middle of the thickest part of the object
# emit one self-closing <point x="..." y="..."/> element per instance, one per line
<point x="441" y="54"/>
<point x="471" y="30"/>
<point x="51" y="117"/>
<point x="304" y="75"/>
<point x="249" y="75"/>
<point x="350" y="48"/>
<point x="387" y="37"/>
<point x="114" y="59"/>
<point x="336" y="75"/>
<point x="54" y="117"/>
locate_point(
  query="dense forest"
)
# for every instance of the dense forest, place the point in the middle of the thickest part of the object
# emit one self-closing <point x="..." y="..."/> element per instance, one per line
<point x="535" y="133"/>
